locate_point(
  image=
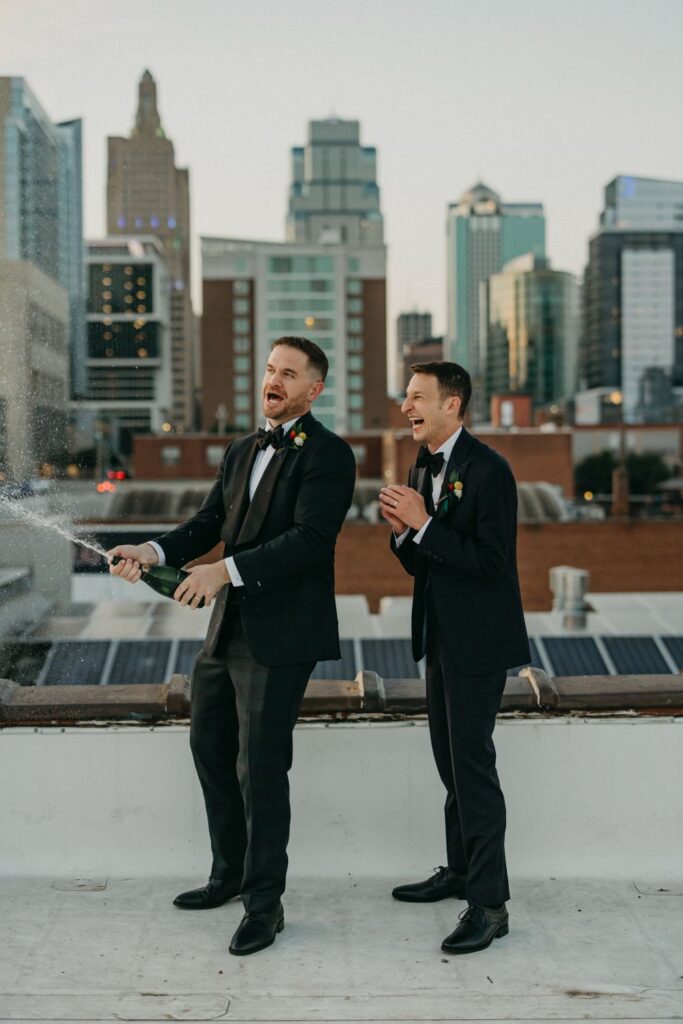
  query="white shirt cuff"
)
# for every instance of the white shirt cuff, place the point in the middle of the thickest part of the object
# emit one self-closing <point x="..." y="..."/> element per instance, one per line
<point x="420" y="533"/>
<point x="399" y="538"/>
<point x="159" y="550"/>
<point x="235" y="577"/>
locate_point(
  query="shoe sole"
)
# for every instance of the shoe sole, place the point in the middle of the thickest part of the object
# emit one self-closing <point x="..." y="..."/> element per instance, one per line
<point x="429" y="899"/>
<point x="502" y="931"/>
<point x="206" y="906"/>
<point x="257" y="949"/>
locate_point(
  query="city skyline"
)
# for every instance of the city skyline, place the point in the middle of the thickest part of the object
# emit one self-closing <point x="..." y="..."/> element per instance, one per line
<point x="449" y="100"/>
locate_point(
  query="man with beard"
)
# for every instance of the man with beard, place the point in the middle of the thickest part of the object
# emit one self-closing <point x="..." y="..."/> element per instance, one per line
<point x="278" y="503"/>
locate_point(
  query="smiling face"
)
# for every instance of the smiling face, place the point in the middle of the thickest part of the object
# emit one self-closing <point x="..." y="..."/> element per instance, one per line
<point x="290" y="385"/>
<point x="432" y="418"/>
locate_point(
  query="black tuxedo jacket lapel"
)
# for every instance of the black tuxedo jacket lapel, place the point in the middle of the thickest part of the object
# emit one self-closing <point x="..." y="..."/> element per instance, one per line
<point x="256" y="512"/>
<point x="237" y="492"/>
<point x="459" y="461"/>
<point x="258" y="508"/>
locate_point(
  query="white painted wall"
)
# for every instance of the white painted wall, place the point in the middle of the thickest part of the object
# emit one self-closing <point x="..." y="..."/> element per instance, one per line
<point x="592" y="797"/>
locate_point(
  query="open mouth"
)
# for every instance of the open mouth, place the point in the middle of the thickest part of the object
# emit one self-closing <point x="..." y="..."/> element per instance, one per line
<point x="416" y="422"/>
<point x="272" y="398"/>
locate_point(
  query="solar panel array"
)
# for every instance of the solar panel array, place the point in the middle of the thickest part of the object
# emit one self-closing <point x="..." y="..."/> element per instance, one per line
<point x="96" y="662"/>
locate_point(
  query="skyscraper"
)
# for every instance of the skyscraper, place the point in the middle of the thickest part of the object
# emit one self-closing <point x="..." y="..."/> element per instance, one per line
<point x="483" y="233"/>
<point x="147" y="194"/>
<point x="41" y="249"/>
<point x="532" y="331"/>
<point x="334" y="195"/>
<point x="632" y="342"/>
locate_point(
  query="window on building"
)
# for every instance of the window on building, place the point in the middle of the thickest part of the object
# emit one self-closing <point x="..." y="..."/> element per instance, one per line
<point x="355" y="401"/>
<point x="355" y="362"/>
<point x="243" y="420"/>
<point x="242" y="402"/>
<point x="242" y="382"/>
<point x="354" y="325"/>
<point x="241" y="344"/>
<point x="240" y="287"/>
<point x="354" y="305"/>
<point x="355" y="421"/>
<point x="355" y="344"/>
<point x="241" y="325"/>
<point x="242" y="363"/>
<point x="214" y="454"/>
<point x="170" y="455"/>
<point x="241" y="306"/>
<point x="354" y="286"/>
<point x="355" y="382"/>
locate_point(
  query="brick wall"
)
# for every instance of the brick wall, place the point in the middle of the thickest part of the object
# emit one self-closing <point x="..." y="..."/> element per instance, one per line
<point x="627" y="556"/>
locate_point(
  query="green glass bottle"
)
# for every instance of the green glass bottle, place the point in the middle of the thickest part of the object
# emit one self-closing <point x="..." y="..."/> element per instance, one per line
<point x="162" y="578"/>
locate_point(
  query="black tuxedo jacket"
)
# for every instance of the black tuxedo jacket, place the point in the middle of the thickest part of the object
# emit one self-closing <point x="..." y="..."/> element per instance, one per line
<point x="467" y="558"/>
<point x="282" y="542"/>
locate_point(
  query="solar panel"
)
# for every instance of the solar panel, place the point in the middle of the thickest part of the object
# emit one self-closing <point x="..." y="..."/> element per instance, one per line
<point x="536" y="659"/>
<point x="390" y="659"/>
<point x="185" y="658"/>
<point x="77" y="663"/>
<point x="140" y="661"/>
<point x="575" y="656"/>
<point x="674" y="645"/>
<point x="345" y="668"/>
<point x="635" y="655"/>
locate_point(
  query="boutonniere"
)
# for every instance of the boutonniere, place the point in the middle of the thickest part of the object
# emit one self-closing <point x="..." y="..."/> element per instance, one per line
<point x="453" y="492"/>
<point x="294" y="439"/>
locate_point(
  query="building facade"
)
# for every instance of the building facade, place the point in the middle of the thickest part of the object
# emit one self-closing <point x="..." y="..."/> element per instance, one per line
<point x="34" y="370"/>
<point x="255" y="292"/>
<point x="632" y="340"/>
<point x="530" y="341"/>
<point x="334" y="195"/>
<point x="483" y="234"/>
<point x="148" y="195"/>
<point x="41" y="234"/>
<point x="128" y="371"/>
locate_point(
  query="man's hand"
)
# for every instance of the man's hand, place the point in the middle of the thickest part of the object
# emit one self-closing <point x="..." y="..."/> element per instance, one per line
<point x="405" y="505"/>
<point x="133" y="556"/>
<point x="204" y="581"/>
<point x="387" y="510"/>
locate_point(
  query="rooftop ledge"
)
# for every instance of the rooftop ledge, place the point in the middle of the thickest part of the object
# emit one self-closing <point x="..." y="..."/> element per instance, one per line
<point x="530" y="693"/>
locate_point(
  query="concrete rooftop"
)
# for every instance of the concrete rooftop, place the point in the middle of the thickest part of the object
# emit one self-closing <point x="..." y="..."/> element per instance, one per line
<point x="116" y="949"/>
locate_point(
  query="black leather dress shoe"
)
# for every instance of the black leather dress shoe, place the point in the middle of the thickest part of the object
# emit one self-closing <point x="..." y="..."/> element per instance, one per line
<point x="256" y="931"/>
<point x="442" y="884"/>
<point x="215" y="893"/>
<point x="477" y="929"/>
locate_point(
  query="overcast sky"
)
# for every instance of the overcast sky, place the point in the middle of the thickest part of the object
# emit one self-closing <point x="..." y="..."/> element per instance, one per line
<point x="542" y="100"/>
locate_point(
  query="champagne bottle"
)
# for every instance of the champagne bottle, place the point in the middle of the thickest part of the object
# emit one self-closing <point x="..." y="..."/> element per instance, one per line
<point x="162" y="578"/>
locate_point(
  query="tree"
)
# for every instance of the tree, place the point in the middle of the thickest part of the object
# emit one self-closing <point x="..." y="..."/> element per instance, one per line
<point x="645" y="471"/>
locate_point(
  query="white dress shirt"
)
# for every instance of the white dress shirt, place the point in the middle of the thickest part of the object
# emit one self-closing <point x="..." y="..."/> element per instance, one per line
<point x="263" y="457"/>
<point x="437" y="483"/>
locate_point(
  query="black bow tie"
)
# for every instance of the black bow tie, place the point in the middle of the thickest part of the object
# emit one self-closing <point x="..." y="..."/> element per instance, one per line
<point x="266" y="437"/>
<point x="426" y="459"/>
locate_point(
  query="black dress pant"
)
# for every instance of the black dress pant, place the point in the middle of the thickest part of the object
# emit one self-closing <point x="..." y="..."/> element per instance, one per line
<point x="242" y="718"/>
<point x="462" y="716"/>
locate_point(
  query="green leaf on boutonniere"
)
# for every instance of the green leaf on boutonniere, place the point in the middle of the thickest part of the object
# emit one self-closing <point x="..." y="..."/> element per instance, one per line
<point x="452" y="490"/>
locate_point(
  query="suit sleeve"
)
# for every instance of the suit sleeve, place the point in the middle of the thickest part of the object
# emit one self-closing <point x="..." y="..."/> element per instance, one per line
<point x="323" y="499"/>
<point x="202" y="532"/>
<point x="486" y="552"/>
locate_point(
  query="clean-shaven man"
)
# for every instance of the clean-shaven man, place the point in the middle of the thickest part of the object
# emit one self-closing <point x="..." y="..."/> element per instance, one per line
<point x="278" y="503"/>
<point x="454" y="531"/>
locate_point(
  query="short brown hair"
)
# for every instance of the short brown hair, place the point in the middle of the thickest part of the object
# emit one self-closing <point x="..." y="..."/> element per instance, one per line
<point x="452" y="380"/>
<point x="316" y="357"/>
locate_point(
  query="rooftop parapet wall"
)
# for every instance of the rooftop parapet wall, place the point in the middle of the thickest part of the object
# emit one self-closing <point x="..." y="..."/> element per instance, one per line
<point x="532" y="692"/>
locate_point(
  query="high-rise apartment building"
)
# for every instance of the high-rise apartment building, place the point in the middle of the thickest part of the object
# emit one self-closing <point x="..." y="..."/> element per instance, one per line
<point x="412" y="328"/>
<point x="128" y="366"/>
<point x="334" y="195"/>
<point x="147" y="194"/>
<point x="483" y="234"/>
<point x="255" y="292"/>
<point x="531" y="336"/>
<point x="632" y="342"/>
<point x="41" y="246"/>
